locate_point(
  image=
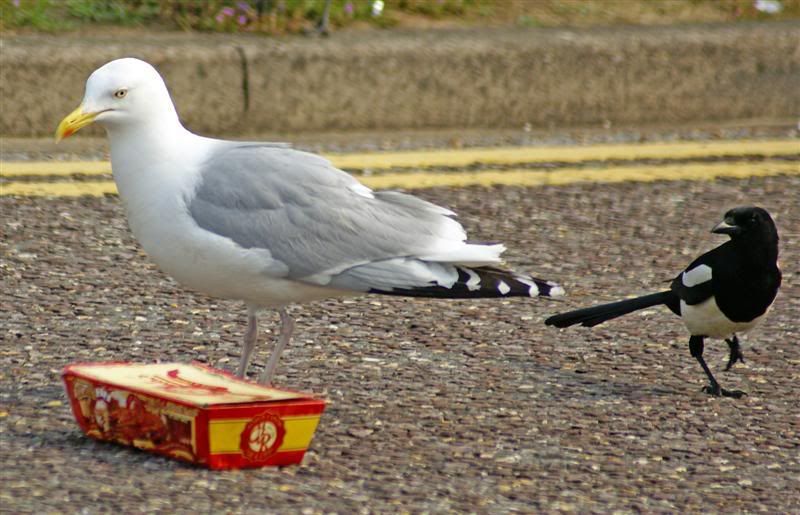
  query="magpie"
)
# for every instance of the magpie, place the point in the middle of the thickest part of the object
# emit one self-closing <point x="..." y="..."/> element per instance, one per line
<point x="725" y="291"/>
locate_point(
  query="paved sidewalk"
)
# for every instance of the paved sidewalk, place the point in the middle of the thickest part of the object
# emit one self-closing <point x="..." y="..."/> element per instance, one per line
<point x="459" y="79"/>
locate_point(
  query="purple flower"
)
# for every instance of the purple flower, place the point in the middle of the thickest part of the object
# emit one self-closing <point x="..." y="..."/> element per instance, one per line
<point x="243" y="6"/>
<point x="228" y="11"/>
<point x="16" y="3"/>
<point x="242" y="19"/>
<point x="349" y="9"/>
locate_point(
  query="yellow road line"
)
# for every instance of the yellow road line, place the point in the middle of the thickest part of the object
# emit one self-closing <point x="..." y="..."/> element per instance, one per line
<point x="59" y="189"/>
<point x="564" y="176"/>
<point x="518" y="177"/>
<point x="467" y="157"/>
<point x="566" y="154"/>
<point x="39" y="168"/>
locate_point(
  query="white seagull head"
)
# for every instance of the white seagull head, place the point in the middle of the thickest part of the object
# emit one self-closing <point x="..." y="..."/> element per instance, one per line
<point x="123" y="93"/>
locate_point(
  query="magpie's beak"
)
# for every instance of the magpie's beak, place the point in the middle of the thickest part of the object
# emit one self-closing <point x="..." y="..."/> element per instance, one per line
<point x="727" y="226"/>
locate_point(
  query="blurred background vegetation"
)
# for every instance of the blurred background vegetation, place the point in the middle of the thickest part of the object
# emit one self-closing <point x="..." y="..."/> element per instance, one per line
<point x="292" y="16"/>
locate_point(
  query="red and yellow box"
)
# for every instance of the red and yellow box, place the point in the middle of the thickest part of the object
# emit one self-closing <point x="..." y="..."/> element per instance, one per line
<point x="192" y="412"/>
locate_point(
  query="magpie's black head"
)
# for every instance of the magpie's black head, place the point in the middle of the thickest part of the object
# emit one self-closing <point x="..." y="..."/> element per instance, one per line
<point x="748" y="223"/>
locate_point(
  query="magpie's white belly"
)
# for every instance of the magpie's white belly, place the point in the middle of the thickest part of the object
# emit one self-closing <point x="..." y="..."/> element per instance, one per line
<point x="706" y="319"/>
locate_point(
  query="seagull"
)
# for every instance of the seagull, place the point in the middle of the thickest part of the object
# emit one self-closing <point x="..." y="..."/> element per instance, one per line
<point x="269" y="225"/>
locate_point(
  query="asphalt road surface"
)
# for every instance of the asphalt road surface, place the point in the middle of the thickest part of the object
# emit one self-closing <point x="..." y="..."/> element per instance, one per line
<point x="435" y="406"/>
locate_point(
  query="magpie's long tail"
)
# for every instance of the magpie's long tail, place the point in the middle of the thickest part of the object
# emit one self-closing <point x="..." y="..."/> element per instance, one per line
<point x="590" y="317"/>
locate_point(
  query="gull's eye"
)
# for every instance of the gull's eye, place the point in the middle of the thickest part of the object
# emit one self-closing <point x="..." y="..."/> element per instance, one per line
<point x="120" y="93"/>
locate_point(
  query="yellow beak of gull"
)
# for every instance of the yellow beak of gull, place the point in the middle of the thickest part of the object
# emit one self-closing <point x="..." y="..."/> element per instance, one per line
<point x="74" y="122"/>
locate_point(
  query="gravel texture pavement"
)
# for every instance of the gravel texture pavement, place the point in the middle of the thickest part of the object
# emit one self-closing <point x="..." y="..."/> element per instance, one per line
<point x="435" y="406"/>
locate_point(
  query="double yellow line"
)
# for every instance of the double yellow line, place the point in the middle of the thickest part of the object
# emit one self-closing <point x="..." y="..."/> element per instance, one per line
<point x="520" y="166"/>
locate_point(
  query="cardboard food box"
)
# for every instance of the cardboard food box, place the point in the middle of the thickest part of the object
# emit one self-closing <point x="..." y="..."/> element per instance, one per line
<point x="192" y="412"/>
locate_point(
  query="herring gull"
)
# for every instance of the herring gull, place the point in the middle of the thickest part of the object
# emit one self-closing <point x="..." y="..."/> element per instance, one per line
<point x="270" y="225"/>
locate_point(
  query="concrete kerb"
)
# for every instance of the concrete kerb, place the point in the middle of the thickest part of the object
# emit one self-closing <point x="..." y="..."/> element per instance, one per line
<point x="493" y="78"/>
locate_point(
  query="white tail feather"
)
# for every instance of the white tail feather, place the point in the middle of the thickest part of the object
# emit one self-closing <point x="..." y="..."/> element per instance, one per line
<point x="468" y="254"/>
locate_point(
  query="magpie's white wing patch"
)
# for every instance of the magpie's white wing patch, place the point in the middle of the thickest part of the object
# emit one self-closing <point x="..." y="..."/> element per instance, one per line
<point x="697" y="275"/>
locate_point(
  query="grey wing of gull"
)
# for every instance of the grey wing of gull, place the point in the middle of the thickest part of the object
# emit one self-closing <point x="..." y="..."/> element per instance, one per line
<point x="317" y="220"/>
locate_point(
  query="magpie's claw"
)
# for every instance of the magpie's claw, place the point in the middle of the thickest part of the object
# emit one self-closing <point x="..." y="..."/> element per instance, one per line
<point x="722" y="392"/>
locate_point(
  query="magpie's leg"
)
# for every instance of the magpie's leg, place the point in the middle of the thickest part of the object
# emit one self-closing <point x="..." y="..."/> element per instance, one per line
<point x="736" y="352"/>
<point x="696" y="349"/>
<point x="713" y="388"/>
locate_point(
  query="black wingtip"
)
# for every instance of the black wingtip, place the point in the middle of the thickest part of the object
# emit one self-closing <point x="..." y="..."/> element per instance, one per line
<point x="483" y="282"/>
